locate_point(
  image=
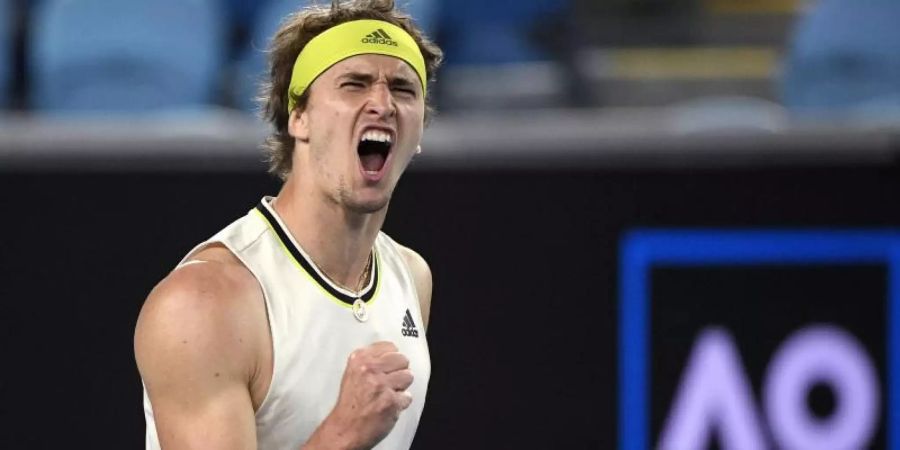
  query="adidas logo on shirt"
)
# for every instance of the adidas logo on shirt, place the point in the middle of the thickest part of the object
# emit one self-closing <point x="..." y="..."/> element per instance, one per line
<point x="379" y="37"/>
<point x="409" y="327"/>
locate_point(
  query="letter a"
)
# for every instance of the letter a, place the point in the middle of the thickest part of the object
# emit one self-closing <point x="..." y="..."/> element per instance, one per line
<point x="714" y="392"/>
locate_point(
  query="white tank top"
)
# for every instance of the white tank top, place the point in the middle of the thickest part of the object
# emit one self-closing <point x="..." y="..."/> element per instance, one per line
<point x="314" y="328"/>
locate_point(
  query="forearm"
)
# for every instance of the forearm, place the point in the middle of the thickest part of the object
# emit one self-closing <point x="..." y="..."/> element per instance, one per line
<point x="329" y="437"/>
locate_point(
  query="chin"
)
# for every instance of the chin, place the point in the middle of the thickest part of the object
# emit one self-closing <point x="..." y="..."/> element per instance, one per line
<point x="368" y="205"/>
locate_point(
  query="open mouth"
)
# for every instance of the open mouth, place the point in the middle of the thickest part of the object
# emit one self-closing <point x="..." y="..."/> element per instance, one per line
<point x="374" y="148"/>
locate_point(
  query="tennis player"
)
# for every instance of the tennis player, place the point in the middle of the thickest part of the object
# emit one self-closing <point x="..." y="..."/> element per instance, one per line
<point x="301" y="324"/>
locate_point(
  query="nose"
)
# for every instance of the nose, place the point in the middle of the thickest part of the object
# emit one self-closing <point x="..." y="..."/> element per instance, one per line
<point x="380" y="101"/>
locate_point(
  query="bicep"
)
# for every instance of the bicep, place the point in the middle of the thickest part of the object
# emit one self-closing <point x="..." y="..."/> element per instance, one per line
<point x="203" y="418"/>
<point x="193" y="358"/>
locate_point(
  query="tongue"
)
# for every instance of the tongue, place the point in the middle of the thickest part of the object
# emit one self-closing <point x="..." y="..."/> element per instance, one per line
<point x="372" y="162"/>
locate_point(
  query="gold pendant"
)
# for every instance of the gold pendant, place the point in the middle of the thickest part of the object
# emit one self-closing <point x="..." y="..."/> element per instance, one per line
<point x="360" y="311"/>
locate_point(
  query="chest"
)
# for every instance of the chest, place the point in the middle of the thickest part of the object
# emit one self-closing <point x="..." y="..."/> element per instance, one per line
<point x="312" y="337"/>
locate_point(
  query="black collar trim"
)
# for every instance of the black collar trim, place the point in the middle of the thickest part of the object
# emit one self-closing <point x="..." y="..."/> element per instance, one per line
<point x="311" y="269"/>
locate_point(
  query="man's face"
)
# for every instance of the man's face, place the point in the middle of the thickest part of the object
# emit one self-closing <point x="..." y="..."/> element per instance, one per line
<point x="361" y="126"/>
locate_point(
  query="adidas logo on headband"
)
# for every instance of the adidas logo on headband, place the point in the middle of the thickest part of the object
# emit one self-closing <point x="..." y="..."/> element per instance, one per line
<point x="379" y="37"/>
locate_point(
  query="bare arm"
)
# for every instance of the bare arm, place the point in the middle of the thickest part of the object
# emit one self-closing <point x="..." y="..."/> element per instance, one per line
<point x="197" y="347"/>
<point x="422" y="277"/>
<point x="202" y="345"/>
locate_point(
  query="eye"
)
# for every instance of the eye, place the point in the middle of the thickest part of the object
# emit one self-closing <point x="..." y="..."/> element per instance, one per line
<point x="352" y="84"/>
<point x="405" y="91"/>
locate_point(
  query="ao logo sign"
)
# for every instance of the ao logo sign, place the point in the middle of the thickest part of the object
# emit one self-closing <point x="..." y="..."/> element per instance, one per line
<point x="715" y="393"/>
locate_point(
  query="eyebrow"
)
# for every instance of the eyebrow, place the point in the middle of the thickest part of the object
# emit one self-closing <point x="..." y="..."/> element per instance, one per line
<point x="358" y="76"/>
<point x="401" y="81"/>
<point x="396" y="81"/>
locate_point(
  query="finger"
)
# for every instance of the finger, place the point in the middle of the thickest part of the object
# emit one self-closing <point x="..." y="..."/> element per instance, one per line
<point x="381" y="347"/>
<point x="400" y="380"/>
<point x="392" y="361"/>
<point x="403" y="399"/>
<point x="373" y="350"/>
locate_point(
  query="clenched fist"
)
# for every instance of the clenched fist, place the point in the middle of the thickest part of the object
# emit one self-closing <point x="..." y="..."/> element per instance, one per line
<point x="373" y="394"/>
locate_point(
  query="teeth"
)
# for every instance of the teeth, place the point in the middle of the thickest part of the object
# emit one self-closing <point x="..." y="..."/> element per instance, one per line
<point x="376" y="135"/>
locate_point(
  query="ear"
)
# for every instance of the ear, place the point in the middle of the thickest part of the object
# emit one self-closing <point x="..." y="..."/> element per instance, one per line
<point x="298" y="125"/>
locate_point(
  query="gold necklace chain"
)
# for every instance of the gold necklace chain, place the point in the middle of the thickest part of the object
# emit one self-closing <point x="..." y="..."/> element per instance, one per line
<point x="362" y="277"/>
<point x="359" y="306"/>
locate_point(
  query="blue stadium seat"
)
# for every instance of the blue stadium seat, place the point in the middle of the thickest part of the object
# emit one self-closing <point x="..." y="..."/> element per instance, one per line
<point x="251" y="65"/>
<point x="6" y="50"/>
<point x="424" y="12"/>
<point x="844" y="58"/>
<point x="244" y="12"/>
<point x="134" y="56"/>
<point x="494" y="32"/>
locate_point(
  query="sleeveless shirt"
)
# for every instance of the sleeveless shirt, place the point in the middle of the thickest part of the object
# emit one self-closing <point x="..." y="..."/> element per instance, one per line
<point x="314" y="328"/>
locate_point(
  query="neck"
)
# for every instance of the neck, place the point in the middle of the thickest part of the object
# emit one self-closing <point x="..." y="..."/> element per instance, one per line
<point x="338" y="241"/>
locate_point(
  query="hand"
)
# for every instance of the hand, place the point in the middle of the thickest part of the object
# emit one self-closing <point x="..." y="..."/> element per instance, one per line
<point x="373" y="394"/>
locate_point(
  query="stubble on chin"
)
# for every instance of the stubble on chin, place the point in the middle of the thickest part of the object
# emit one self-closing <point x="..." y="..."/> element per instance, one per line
<point x="366" y="207"/>
<point x="346" y="197"/>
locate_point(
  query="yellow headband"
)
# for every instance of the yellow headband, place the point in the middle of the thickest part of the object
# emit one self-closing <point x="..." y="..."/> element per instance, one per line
<point x="348" y="39"/>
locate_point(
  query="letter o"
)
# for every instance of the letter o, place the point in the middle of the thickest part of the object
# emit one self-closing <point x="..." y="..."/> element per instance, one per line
<point x="827" y="354"/>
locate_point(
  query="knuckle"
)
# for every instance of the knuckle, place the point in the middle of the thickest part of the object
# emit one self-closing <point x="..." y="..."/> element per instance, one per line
<point x="385" y="403"/>
<point x="374" y="383"/>
<point x="404" y="399"/>
<point x="389" y="345"/>
<point x="384" y="359"/>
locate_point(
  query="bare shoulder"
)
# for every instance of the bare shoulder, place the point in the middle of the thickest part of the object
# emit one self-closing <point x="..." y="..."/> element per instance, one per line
<point x="421" y="273"/>
<point x="212" y="286"/>
<point x="209" y="311"/>
<point x="200" y="342"/>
